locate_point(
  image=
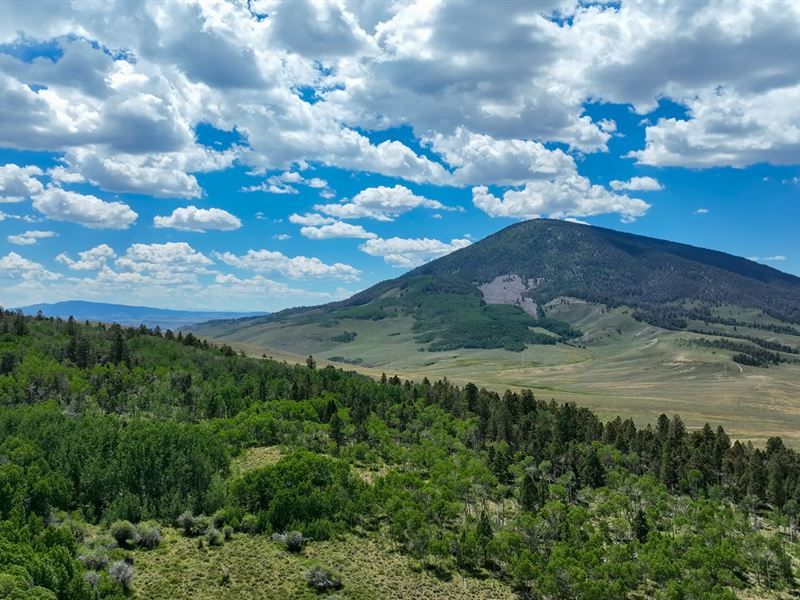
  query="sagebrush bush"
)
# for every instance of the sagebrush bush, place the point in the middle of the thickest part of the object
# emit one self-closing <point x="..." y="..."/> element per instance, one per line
<point x="214" y="537"/>
<point x="124" y="532"/>
<point x="96" y="559"/>
<point x="122" y="573"/>
<point x="148" y="535"/>
<point x="185" y="522"/>
<point x="293" y="540"/>
<point x="323" y="580"/>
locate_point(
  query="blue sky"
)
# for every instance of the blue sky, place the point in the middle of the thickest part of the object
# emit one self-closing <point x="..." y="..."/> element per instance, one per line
<point x="261" y="155"/>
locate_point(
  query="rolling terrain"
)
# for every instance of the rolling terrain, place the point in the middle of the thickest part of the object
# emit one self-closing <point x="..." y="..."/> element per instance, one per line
<point x="624" y="324"/>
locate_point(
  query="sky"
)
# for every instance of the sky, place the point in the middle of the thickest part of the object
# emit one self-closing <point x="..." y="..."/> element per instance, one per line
<point x="258" y="155"/>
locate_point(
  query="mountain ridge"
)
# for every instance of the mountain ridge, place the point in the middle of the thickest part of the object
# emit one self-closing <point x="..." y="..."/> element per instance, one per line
<point x="593" y="264"/>
<point x="126" y="314"/>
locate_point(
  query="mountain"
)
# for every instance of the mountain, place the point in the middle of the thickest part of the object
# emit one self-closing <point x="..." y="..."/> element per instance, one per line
<point x="495" y="293"/>
<point x="130" y="315"/>
<point x="618" y="322"/>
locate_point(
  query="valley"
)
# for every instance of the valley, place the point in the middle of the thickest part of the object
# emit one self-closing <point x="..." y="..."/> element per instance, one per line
<point x="626" y="325"/>
<point x="639" y="373"/>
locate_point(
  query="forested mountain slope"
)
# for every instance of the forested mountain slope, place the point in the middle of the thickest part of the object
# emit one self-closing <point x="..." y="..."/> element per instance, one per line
<point x="495" y="292"/>
<point x="154" y="465"/>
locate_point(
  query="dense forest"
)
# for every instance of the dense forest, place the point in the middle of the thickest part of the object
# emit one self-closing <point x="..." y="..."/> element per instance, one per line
<point x="108" y="435"/>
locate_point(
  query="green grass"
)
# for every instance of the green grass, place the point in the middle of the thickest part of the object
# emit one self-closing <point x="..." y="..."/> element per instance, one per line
<point x="262" y="569"/>
<point x="619" y="367"/>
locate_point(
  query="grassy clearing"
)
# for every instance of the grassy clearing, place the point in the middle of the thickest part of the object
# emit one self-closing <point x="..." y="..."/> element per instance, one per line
<point x="255" y="458"/>
<point x="259" y="568"/>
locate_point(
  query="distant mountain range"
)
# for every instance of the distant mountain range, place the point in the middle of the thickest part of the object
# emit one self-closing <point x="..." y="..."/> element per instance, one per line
<point x="132" y="315"/>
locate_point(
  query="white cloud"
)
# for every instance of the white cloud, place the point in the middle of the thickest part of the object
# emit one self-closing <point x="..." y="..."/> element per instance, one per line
<point x="728" y="129"/>
<point x="338" y="229"/>
<point x="645" y="184"/>
<point x="284" y="183"/>
<point x="30" y="238"/>
<point x="405" y="253"/>
<point x="169" y="259"/>
<point x="14" y="266"/>
<point x="311" y="219"/>
<point x="65" y="175"/>
<point x="84" y="209"/>
<point x="480" y="159"/>
<point x="701" y="211"/>
<point x="256" y="287"/>
<point x="196" y="219"/>
<point x="19" y="183"/>
<point x="298" y="267"/>
<point x="381" y="203"/>
<point x="281" y="236"/>
<point x="776" y="258"/>
<point x="90" y="260"/>
<point x="573" y="196"/>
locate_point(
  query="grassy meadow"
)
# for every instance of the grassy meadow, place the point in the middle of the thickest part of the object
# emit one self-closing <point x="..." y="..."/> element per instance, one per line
<point x="619" y="367"/>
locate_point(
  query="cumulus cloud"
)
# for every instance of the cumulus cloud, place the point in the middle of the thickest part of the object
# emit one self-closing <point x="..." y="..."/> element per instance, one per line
<point x="481" y="159"/>
<point x="286" y="182"/>
<point x="298" y="267"/>
<point x="311" y="219"/>
<point x="196" y="219"/>
<point x="701" y="211"/>
<point x="380" y="203"/>
<point x="30" y="238"/>
<point x="14" y="266"/>
<point x="168" y="258"/>
<point x="90" y="260"/>
<point x="638" y="184"/>
<point x="405" y="252"/>
<point x="84" y="209"/>
<point x="573" y="196"/>
<point x="19" y="183"/>
<point x="338" y="229"/>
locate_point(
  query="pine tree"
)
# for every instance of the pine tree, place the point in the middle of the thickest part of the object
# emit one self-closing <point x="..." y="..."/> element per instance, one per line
<point x="337" y="430"/>
<point x="641" y="528"/>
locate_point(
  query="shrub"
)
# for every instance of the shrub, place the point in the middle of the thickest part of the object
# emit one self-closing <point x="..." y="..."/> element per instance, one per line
<point x="294" y="540"/>
<point x="213" y="537"/>
<point x="201" y="525"/>
<point x="92" y="578"/>
<point x="249" y="524"/>
<point x="124" y="532"/>
<point x="228" y="533"/>
<point x="96" y="559"/>
<point x="322" y="580"/>
<point x="149" y="535"/>
<point x="122" y="573"/>
<point x="192" y="525"/>
<point x="186" y="522"/>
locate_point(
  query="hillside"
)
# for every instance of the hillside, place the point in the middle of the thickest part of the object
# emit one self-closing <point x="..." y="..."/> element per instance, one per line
<point x="620" y="322"/>
<point x="146" y="465"/>
<point x="129" y="315"/>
